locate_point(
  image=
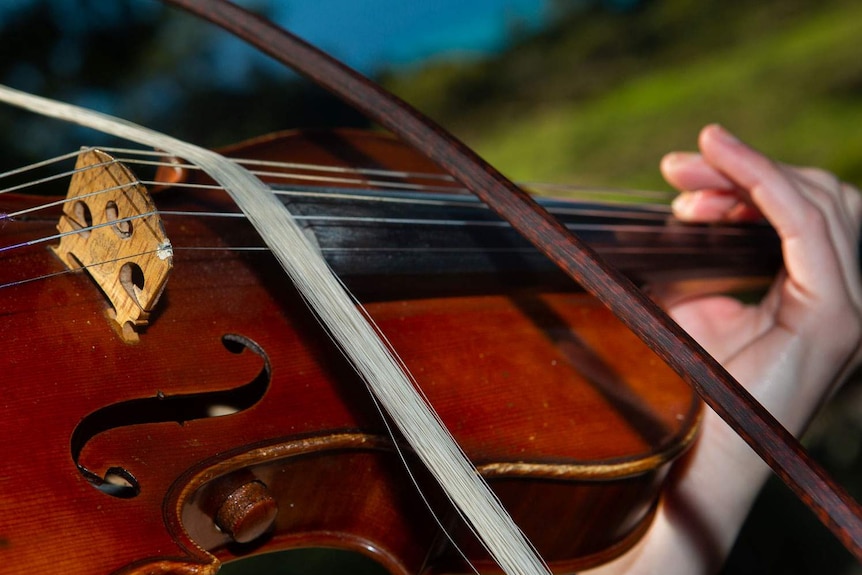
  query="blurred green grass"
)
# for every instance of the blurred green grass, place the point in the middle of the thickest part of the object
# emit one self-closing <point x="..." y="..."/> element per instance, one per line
<point x="787" y="79"/>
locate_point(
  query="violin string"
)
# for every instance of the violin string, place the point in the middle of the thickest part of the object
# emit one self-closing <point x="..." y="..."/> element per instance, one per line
<point x="579" y="228"/>
<point x="55" y="203"/>
<point x="57" y="236"/>
<point x="678" y="250"/>
<point x="393" y="174"/>
<point x="648" y="251"/>
<point x="398" y="185"/>
<point x="280" y="174"/>
<point x="629" y="221"/>
<point x="631" y="229"/>
<point x="76" y="270"/>
<point x="658" y="212"/>
<point x="640" y="211"/>
<point x="426" y="222"/>
<point x="626" y="228"/>
<point x="644" y="212"/>
<point x="654" y="195"/>
<point x="352" y="196"/>
<point x="40" y="164"/>
<point x="401" y="186"/>
<point x="51" y="178"/>
<point x="400" y="178"/>
<point x="288" y="165"/>
<point x="604" y="250"/>
<point x="591" y="191"/>
<point x="645" y="251"/>
<point x="660" y="209"/>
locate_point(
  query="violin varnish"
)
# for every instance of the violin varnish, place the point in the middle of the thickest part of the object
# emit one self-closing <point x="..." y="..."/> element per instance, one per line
<point x="111" y="230"/>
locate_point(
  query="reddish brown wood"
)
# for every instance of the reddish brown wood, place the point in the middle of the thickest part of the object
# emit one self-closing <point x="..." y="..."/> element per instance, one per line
<point x="247" y="512"/>
<point x="547" y="393"/>
<point x="828" y="500"/>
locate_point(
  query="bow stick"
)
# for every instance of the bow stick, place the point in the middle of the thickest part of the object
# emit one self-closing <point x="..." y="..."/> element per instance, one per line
<point x="775" y="445"/>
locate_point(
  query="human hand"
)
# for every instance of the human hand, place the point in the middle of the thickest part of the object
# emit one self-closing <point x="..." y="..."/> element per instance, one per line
<point x="790" y="350"/>
<point x="807" y="329"/>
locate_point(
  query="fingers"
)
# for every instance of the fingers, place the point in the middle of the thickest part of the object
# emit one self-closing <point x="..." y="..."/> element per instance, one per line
<point x="817" y="217"/>
<point x="689" y="171"/>
<point x="707" y="194"/>
<point x="714" y="206"/>
<point x="761" y="179"/>
<point x="808" y="217"/>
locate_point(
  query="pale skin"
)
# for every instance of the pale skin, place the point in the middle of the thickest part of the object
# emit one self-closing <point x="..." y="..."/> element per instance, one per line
<point x="791" y="351"/>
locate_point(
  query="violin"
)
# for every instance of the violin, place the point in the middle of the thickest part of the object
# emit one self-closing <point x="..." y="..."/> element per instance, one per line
<point x="212" y="417"/>
<point x="228" y="424"/>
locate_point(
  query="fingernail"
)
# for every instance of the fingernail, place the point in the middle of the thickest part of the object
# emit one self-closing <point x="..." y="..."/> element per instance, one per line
<point x="681" y="205"/>
<point x="671" y="158"/>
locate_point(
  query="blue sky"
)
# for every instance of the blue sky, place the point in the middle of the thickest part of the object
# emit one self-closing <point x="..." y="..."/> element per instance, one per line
<point x="367" y="33"/>
<point x="372" y="34"/>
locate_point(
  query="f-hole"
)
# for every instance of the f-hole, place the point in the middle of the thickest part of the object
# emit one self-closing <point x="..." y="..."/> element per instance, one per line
<point x="119" y="480"/>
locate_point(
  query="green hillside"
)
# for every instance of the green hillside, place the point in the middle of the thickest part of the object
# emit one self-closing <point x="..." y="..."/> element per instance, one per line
<point x="599" y="99"/>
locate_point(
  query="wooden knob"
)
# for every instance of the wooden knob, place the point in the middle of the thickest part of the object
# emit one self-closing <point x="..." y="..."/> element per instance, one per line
<point x="248" y="512"/>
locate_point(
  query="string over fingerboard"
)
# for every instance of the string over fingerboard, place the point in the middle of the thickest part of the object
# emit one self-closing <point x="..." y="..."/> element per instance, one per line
<point x="110" y="228"/>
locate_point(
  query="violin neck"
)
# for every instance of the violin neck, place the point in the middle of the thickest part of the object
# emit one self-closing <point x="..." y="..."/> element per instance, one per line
<point x="451" y="240"/>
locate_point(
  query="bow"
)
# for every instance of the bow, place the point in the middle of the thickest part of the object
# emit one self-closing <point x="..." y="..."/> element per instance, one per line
<point x="837" y="510"/>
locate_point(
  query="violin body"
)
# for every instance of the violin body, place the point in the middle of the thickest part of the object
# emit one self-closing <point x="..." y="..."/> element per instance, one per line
<point x="233" y="426"/>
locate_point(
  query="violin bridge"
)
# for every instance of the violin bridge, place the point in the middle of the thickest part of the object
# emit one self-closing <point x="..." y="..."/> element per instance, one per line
<point x="110" y="229"/>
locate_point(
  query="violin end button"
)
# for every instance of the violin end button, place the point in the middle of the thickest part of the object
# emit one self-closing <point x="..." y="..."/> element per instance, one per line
<point x="248" y="512"/>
